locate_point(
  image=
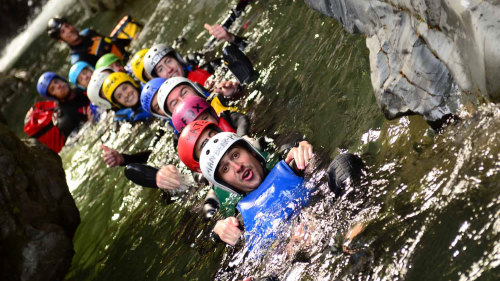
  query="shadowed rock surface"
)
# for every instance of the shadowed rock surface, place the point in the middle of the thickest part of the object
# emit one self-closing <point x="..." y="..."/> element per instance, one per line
<point x="38" y="216"/>
<point x="15" y="14"/>
<point x="420" y="51"/>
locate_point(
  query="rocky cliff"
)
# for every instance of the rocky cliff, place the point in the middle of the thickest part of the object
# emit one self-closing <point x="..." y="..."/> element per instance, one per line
<point x="38" y="216"/>
<point x="423" y="53"/>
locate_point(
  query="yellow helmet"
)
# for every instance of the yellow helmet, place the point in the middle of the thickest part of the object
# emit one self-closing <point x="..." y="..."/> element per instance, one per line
<point x="112" y="82"/>
<point x="137" y="63"/>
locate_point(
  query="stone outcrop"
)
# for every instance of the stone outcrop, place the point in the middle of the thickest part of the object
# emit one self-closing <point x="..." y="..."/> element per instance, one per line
<point x="423" y="52"/>
<point x="38" y="216"/>
<point x="15" y="15"/>
<point x="94" y="6"/>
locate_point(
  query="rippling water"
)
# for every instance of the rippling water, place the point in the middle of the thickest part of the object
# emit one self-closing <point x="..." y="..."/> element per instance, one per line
<point x="430" y="203"/>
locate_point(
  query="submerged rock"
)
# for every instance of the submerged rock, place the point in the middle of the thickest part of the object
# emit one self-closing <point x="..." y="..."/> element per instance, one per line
<point x="38" y="216"/>
<point x="420" y="51"/>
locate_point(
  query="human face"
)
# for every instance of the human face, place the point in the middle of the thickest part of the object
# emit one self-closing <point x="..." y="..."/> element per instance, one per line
<point x="155" y="107"/>
<point x="69" y="34"/>
<point x="240" y="169"/>
<point x="126" y="95"/>
<point x="117" y="66"/>
<point x="84" y="77"/>
<point x="178" y="94"/>
<point x="169" y="67"/>
<point x="58" y="89"/>
<point x="202" y="140"/>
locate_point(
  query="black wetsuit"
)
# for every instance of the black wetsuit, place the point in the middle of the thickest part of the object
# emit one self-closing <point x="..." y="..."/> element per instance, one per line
<point x="94" y="45"/>
<point x="71" y="113"/>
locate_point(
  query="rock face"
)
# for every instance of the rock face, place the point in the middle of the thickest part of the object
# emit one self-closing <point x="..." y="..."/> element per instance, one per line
<point x="15" y="14"/>
<point x="421" y="50"/>
<point x="38" y="216"/>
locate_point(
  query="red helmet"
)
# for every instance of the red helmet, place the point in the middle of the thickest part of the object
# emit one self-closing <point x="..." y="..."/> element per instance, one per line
<point x="187" y="142"/>
<point x="189" y="110"/>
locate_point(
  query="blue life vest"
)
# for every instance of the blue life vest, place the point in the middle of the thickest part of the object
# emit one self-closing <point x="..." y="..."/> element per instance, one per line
<point x="129" y="115"/>
<point x="96" y="112"/>
<point x="280" y="196"/>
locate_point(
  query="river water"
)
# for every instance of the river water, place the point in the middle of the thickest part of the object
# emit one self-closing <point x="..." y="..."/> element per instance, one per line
<point x="430" y="202"/>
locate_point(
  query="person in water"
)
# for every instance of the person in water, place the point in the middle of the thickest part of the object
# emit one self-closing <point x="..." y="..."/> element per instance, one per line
<point x="80" y="74"/>
<point x="160" y="96"/>
<point x="232" y="163"/>
<point x="94" y="90"/>
<point x="111" y="61"/>
<point x="73" y="104"/>
<point x="192" y="139"/>
<point x="87" y="45"/>
<point x="163" y="61"/>
<point x="122" y="92"/>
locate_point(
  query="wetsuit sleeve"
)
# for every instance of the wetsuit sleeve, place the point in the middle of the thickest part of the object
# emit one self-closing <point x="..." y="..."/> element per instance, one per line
<point x="240" y="42"/>
<point x="241" y="122"/>
<point x="141" y="157"/>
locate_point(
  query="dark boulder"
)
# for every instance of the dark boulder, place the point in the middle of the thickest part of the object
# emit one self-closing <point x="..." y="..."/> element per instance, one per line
<point x="38" y="216"/>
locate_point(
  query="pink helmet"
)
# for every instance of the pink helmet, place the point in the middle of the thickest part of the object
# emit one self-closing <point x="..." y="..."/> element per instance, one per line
<point x="189" y="110"/>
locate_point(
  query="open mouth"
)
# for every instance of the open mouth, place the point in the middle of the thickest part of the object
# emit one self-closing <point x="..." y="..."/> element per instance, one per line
<point x="247" y="175"/>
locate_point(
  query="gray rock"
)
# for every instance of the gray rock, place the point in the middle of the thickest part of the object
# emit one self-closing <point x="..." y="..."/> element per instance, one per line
<point x="424" y="52"/>
<point x="38" y="216"/>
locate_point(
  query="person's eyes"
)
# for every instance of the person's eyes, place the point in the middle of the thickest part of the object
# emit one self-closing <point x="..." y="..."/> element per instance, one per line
<point x="160" y="69"/>
<point x="173" y="103"/>
<point x="118" y="95"/>
<point x="236" y="155"/>
<point x="224" y="169"/>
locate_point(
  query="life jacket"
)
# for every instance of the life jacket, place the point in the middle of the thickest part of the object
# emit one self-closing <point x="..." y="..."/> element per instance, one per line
<point x="39" y="125"/>
<point x="93" y="46"/>
<point x="217" y="104"/>
<point x="227" y="201"/>
<point x="102" y="45"/>
<point x="280" y="196"/>
<point x="225" y="125"/>
<point x="127" y="28"/>
<point x="197" y="75"/>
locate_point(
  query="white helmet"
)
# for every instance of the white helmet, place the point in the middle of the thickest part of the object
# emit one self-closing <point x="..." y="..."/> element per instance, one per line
<point x="155" y="54"/>
<point x="167" y="87"/>
<point x="95" y="85"/>
<point x="214" y="150"/>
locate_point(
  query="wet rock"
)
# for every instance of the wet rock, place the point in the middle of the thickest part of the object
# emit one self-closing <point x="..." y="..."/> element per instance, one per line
<point x="423" y="52"/>
<point x="15" y="14"/>
<point x="94" y="6"/>
<point x="38" y="216"/>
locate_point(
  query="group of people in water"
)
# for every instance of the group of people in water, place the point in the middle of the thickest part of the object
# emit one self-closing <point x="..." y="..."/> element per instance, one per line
<point x="257" y="196"/>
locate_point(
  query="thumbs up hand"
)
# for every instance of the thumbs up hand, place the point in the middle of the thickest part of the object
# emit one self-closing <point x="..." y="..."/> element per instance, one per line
<point x="111" y="157"/>
<point x="219" y="32"/>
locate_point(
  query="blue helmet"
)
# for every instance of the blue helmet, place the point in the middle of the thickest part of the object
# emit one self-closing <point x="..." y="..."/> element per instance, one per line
<point x="76" y="69"/>
<point x="44" y="81"/>
<point x="147" y="94"/>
